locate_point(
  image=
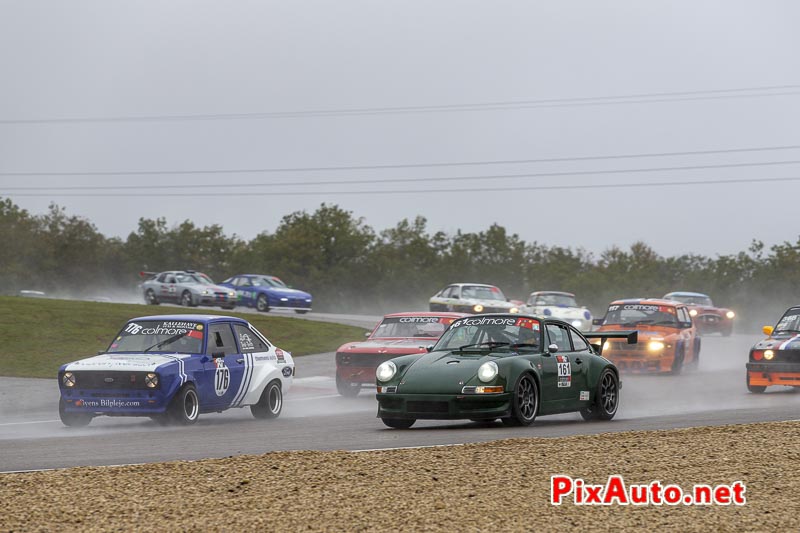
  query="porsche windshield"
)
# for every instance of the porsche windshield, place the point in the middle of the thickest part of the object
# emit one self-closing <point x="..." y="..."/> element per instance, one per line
<point x="480" y="292"/>
<point x="693" y="300"/>
<point x="635" y="314"/>
<point x="159" y="336"/>
<point x="496" y="333"/>
<point x="789" y="322"/>
<point x="558" y="300"/>
<point x="429" y="327"/>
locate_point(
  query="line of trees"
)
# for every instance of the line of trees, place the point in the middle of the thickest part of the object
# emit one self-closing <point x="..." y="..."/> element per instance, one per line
<point x="348" y="266"/>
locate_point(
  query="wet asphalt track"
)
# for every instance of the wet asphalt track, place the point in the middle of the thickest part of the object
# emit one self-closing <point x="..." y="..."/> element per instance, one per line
<point x="316" y="418"/>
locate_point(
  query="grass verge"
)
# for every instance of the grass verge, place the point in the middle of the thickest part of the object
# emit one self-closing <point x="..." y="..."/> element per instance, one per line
<point x="37" y="336"/>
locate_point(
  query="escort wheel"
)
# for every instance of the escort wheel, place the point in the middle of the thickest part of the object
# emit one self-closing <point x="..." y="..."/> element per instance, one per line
<point x="72" y="419"/>
<point x="270" y="403"/>
<point x="185" y="407"/>
<point x="347" y="389"/>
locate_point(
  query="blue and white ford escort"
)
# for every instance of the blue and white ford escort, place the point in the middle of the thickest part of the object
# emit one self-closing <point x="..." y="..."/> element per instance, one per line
<point x="172" y="368"/>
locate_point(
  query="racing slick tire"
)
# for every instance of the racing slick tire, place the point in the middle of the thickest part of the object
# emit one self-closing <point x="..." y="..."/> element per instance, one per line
<point x="187" y="300"/>
<point x="347" y="389"/>
<point x="677" y="363"/>
<point x="695" y="364"/>
<point x="73" y="420"/>
<point x="185" y="407"/>
<point x="399" y="423"/>
<point x="606" y="398"/>
<point x="301" y="311"/>
<point x="270" y="403"/>
<point x="262" y="303"/>
<point x="755" y="389"/>
<point x="525" y="404"/>
<point x="150" y="297"/>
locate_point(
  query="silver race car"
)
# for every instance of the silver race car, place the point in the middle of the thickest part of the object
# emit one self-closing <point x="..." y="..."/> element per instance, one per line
<point x="472" y="298"/>
<point x="187" y="288"/>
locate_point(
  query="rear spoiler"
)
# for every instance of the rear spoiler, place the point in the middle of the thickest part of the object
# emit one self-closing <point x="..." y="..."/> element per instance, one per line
<point x="147" y="275"/>
<point x="632" y="336"/>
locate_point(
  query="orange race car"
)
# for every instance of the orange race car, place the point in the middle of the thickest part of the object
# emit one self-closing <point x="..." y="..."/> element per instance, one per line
<point x="667" y="337"/>
<point x="776" y="359"/>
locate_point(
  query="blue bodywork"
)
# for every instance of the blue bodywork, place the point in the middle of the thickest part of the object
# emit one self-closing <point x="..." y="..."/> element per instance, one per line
<point x="114" y="382"/>
<point x="265" y="292"/>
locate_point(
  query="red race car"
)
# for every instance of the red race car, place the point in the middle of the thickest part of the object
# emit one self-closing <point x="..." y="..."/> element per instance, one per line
<point x="397" y="334"/>
<point x="706" y="316"/>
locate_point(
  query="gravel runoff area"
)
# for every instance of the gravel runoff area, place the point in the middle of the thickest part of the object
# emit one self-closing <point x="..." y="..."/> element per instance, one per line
<point x="498" y="486"/>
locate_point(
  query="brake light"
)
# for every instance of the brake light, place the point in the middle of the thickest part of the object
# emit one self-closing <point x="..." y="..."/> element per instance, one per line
<point x="758" y="355"/>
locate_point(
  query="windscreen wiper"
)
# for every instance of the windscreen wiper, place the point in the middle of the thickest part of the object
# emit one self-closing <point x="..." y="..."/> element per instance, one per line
<point x="525" y="345"/>
<point x="167" y="341"/>
<point x="489" y="344"/>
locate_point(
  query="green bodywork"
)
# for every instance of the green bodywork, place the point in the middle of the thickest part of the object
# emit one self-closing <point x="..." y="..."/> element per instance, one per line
<point x="431" y="385"/>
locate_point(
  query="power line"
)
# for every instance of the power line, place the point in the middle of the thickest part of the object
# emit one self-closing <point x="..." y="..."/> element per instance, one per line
<point x="192" y="194"/>
<point x="399" y="165"/>
<point x="643" y="98"/>
<point x="404" y="180"/>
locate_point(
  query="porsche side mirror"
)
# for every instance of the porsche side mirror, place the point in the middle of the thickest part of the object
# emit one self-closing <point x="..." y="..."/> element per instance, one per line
<point x="553" y="348"/>
<point x="429" y="348"/>
<point x="767" y="330"/>
<point x="597" y="322"/>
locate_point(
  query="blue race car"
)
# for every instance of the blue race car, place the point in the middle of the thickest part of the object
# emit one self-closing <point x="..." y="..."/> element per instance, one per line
<point x="268" y="292"/>
<point x="172" y="368"/>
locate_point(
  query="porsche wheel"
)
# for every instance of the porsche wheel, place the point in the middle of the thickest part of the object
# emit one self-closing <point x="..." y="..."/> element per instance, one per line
<point x="755" y="389"/>
<point x="150" y="297"/>
<point x="347" y="389"/>
<point x="606" y="397"/>
<point x="262" y="303"/>
<point x="73" y="420"/>
<point x="525" y="404"/>
<point x="186" y="299"/>
<point x="185" y="406"/>
<point x="270" y="403"/>
<point x="399" y="423"/>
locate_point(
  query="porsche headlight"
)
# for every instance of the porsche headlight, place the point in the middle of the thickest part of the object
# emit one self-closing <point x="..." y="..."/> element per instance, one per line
<point x="68" y="379"/>
<point x="232" y="293"/>
<point x="477" y="308"/>
<point x="655" y="346"/>
<point x="768" y="355"/>
<point x="487" y="371"/>
<point x="693" y="312"/>
<point x="730" y="314"/>
<point x="206" y="292"/>
<point x="577" y="323"/>
<point x="386" y="371"/>
<point x="513" y="310"/>
<point x="151" y="380"/>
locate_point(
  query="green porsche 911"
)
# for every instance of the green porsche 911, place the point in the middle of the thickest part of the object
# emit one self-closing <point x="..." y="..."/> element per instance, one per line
<point x="508" y="366"/>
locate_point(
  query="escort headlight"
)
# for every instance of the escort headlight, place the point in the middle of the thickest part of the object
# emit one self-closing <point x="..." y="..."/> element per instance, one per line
<point x="768" y="355"/>
<point x="151" y="380"/>
<point x="477" y="308"/>
<point x="68" y="379"/>
<point x="513" y="310"/>
<point x="386" y="371"/>
<point x="606" y="346"/>
<point x="693" y="312"/>
<point x="730" y="314"/>
<point x="655" y="346"/>
<point x="487" y="371"/>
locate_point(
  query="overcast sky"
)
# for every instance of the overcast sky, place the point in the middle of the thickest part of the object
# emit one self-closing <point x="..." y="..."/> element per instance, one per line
<point x="160" y="62"/>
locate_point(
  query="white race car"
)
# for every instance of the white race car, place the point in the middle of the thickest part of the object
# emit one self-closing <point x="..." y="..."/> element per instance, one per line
<point x="472" y="298"/>
<point x="560" y="305"/>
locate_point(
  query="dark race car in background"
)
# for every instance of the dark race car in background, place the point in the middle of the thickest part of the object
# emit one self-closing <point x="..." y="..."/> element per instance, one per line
<point x="185" y="287"/>
<point x="173" y="368"/>
<point x="266" y="293"/>
<point x="706" y="316"/>
<point x="397" y="334"/>
<point x="776" y="359"/>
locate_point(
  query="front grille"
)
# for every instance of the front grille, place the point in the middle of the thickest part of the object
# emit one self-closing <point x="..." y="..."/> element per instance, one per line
<point x="363" y="359"/>
<point x="112" y="395"/>
<point x="787" y="356"/>
<point x="709" y="319"/>
<point x="221" y="295"/>
<point x="427" y="407"/>
<point x="110" y="380"/>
